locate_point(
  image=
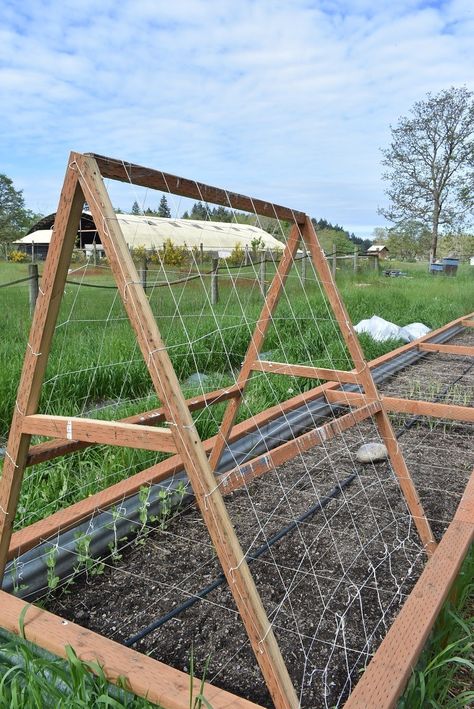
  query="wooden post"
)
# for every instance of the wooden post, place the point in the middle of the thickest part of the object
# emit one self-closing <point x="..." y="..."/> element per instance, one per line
<point x="247" y="255"/>
<point x="333" y="261"/>
<point x="201" y="252"/>
<point x="32" y="251"/>
<point x="94" y="253"/>
<point x="143" y="273"/>
<point x="263" y="273"/>
<point x="214" y="282"/>
<point x="304" y="263"/>
<point x="34" y="285"/>
<point x="356" y="265"/>
<point x="36" y="356"/>
<point x="365" y="377"/>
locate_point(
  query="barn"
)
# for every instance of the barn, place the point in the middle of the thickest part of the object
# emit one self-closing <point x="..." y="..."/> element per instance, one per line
<point x="152" y="232"/>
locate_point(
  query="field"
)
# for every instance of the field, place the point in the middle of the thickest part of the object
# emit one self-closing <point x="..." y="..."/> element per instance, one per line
<point x="104" y="375"/>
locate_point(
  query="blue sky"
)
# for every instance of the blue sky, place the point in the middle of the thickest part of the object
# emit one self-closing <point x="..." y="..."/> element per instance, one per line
<point x="285" y="100"/>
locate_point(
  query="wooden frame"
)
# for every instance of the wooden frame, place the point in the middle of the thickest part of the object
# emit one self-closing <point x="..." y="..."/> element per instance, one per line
<point x="84" y="182"/>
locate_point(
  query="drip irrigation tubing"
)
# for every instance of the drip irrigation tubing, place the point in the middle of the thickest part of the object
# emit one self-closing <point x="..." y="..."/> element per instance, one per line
<point x="30" y="569"/>
<point x="441" y="396"/>
<point x="219" y="580"/>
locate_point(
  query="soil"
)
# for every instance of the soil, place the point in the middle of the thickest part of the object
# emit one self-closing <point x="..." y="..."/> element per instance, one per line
<point x="331" y="587"/>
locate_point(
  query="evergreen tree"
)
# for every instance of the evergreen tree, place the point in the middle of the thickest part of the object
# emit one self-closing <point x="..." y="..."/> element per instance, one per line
<point x="136" y="208"/>
<point x="163" y="209"/>
<point x="15" y="219"/>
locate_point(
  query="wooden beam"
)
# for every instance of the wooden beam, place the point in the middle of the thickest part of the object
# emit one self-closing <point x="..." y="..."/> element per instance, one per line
<point x="468" y="323"/>
<point x="298" y="370"/>
<point x="164" y="182"/>
<point x="188" y="443"/>
<point x="365" y="379"/>
<point x="463" y="350"/>
<point x="36" y="357"/>
<point x="112" y="433"/>
<point x="157" y="682"/>
<point x="52" y="449"/>
<point x="256" y="342"/>
<point x="386" y="677"/>
<point x="406" y="406"/>
<point x="247" y="472"/>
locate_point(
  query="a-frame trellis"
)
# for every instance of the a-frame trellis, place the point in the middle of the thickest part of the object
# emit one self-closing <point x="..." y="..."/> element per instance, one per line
<point x="84" y="182"/>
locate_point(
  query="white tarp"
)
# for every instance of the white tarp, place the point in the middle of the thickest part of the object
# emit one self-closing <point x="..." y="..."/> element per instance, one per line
<point x="381" y="330"/>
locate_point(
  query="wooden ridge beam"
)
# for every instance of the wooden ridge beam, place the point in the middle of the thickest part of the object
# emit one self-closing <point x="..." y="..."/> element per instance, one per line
<point x="164" y="182"/>
<point x="52" y="449"/>
<point x="146" y="677"/>
<point x="463" y="350"/>
<point x="405" y="406"/>
<point x="299" y="370"/>
<point x="247" y="472"/>
<point x="112" y="433"/>
<point x="386" y="677"/>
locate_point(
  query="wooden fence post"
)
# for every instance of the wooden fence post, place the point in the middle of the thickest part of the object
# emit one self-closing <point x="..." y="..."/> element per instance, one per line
<point x="34" y="285"/>
<point x="356" y="265"/>
<point x="32" y="251"/>
<point x="201" y="252"/>
<point x="247" y="255"/>
<point x="304" y="263"/>
<point x="214" y="281"/>
<point x="143" y="273"/>
<point x="94" y="253"/>
<point x="334" y="262"/>
<point x="263" y="274"/>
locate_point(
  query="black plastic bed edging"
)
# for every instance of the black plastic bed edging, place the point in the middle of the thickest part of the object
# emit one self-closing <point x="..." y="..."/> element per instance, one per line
<point x="27" y="576"/>
<point x="219" y="580"/>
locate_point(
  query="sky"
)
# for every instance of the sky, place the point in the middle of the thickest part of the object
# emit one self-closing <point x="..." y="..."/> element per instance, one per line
<point x="289" y="101"/>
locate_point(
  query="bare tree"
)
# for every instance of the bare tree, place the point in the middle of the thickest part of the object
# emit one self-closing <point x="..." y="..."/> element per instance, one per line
<point x="430" y="163"/>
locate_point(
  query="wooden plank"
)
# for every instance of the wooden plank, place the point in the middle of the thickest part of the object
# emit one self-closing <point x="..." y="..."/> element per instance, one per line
<point x="157" y="682"/>
<point x="52" y="449"/>
<point x="386" y="677"/>
<point x="188" y="443"/>
<point x="365" y="379"/>
<point x="298" y="370"/>
<point x="36" y="357"/>
<point x="468" y="323"/>
<point x="244" y="474"/>
<point x="164" y="182"/>
<point x="256" y="342"/>
<point x="406" y="406"/>
<point x="112" y="433"/>
<point x="463" y="350"/>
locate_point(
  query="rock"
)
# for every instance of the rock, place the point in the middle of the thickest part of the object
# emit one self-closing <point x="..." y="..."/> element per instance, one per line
<point x="371" y="452"/>
<point x="197" y="379"/>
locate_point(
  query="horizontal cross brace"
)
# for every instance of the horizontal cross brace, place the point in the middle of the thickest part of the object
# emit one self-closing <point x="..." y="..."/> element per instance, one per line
<point x="299" y="370"/>
<point x="405" y="406"/>
<point x="52" y="449"/>
<point x="112" y="433"/>
<point x="447" y="349"/>
<point x="258" y="466"/>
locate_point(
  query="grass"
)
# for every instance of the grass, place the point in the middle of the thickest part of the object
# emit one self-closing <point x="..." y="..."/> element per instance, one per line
<point x="31" y="678"/>
<point x="96" y="368"/>
<point x="443" y="678"/>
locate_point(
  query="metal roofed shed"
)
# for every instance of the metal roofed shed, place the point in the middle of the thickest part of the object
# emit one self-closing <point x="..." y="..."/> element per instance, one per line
<point x="153" y="232"/>
<point x="379" y="250"/>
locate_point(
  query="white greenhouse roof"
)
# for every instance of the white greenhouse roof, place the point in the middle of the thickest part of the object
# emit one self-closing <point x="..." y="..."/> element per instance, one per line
<point x="154" y="231"/>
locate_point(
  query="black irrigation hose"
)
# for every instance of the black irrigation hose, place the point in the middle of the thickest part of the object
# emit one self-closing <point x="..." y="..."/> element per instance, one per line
<point x="219" y="580"/>
<point x="439" y="397"/>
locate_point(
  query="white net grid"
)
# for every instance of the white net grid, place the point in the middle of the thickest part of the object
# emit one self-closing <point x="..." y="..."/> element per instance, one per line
<point x="330" y="542"/>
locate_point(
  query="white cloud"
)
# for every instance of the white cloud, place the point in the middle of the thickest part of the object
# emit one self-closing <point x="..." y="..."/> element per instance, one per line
<point x="290" y="101"/>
